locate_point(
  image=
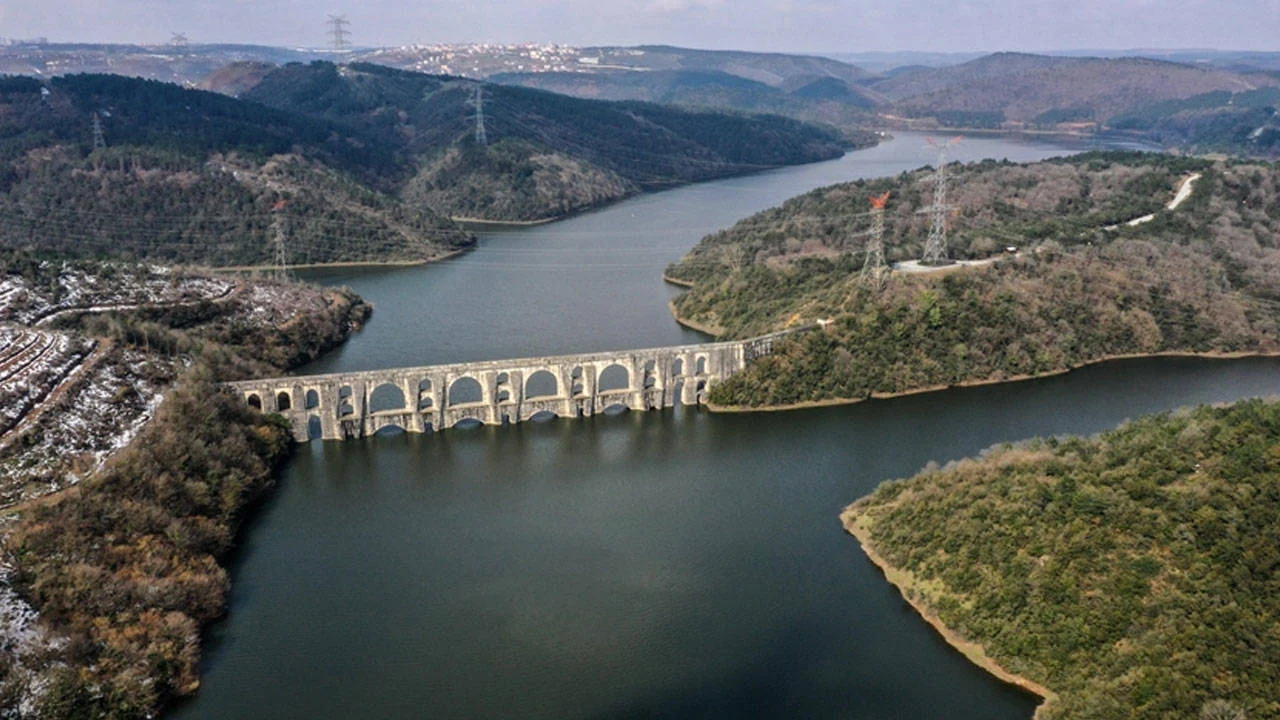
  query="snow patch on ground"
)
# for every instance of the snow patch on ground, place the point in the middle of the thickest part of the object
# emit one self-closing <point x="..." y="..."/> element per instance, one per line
<point x="23" y="640"/>
<point x="101" y="414"/>
<point x="108" y="287"/>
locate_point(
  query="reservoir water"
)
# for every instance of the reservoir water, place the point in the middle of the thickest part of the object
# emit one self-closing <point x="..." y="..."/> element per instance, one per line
<point x="677" y="564"/>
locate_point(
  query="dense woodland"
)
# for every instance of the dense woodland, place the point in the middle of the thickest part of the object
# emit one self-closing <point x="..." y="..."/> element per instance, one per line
<point x="1245" y="123"/>
<point x="195" y="177"/>
<point x="547" y="154"/>
<point x="1202" y="279"/>
<point x="815" y="98"/>
<point x="353" y="164"/>
<point x="1190" y="107"/>
<point x="125" y="567"/>
<point x="1136" y="574"/>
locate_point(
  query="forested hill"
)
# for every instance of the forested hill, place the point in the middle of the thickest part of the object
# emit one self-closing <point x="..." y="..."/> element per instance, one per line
<point x="195" y="177"/>
<point x="1135" y="575"/>
<point x="1204" y="278"/>
<point x="1181" y="105"/>
<point x="547" y="154"/>
<point x="824" y="99"/>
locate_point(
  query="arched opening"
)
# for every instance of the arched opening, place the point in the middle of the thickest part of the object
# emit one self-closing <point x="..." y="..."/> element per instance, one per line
<point x="346" y="409"/>
<point x="388" y="430"/>
<point x="386" y="396"/>
<point x="255" y="402"/>
<point x="614" y="377"/>
<point x="650" y="375"/>
<point x="702" y="365"/>
<point x="344" y="391"/>
<point x="541" y="384"/>
<point x="503" y="378"/>
<point x="701" y="391"/>
<point x="677" y="394"/>
<point x="577" y="387"/>
<point x="467" y="424"/>
<point x="677" y="367"/>
<point x="425" y="400"/>
<point x="543" y="416"/>
<point x="283" y="401"/>
<point x="616" y="409"/>
<point x="465" y="390"/>
<point x="314" y="429"/>
<point x="504" y="395"/>
<point x="313" y="399"/>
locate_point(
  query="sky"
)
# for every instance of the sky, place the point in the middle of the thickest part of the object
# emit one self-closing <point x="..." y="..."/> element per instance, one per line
<point x="829" y="26"/>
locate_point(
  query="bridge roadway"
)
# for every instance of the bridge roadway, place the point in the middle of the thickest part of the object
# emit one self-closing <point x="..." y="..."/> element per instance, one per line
<point x="338" y="406"/>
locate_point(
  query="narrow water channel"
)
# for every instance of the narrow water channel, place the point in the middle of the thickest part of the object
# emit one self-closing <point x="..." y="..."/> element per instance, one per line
<point x="677" y="564"/>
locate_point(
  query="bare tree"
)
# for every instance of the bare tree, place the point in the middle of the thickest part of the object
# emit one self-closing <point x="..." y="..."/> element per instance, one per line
<point x="1221" y="710"/>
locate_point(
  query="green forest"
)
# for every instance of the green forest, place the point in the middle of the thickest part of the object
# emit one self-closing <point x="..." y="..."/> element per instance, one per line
<point x="1202" y="279"/>
<point x="1135" y="574"/>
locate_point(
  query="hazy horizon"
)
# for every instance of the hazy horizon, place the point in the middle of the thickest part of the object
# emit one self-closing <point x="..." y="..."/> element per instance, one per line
<point x="793" y="26"/>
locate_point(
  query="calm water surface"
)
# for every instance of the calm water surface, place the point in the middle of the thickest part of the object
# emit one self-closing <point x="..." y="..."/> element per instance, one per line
<point x="676" y="564"/>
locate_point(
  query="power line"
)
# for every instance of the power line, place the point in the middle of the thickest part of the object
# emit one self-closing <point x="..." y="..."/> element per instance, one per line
<point x="339" y="35"/>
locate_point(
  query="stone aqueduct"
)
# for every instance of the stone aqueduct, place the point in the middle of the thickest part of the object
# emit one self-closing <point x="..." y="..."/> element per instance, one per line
<point x="419" y="399"/>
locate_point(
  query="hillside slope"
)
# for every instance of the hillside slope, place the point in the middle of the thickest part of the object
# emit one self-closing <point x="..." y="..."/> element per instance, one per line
<point x="1204" y="278"/>
<point x="195" y="177"/>
<point x="812" y="98"/>
<point x="546" y="155"/>
<point x="1029" y="89"/>
<point x="1133" y="574"/>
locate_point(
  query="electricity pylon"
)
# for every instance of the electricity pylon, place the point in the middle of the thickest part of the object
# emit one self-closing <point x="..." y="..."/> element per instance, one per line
<point x="99" y="140"/>
<point x="935" y="250"/>
<point x="874" y="269"/>
<point x="281" y="232"/>
<point x="338" y="32"/>
<point x="477" y="102"/>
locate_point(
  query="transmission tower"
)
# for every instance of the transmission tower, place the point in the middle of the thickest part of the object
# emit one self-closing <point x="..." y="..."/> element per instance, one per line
<point x="99" y="140"/>
<point x="179" y="41"/>
<point x="477" y="102"/>
<point x="339" y="35"/>
<point x="935" y="250"/>
<point x="281" y="231"/>
<point x="874" y="270"/>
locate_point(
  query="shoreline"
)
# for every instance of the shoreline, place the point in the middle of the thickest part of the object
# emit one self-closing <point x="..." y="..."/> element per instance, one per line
<point x="689" y="284"/>
<point x="972" y="651"/>
<point x="693" y="324"/>
<point x="833" y="402"/>
<point x="464" y="221"/>
<point x="344" y="264"/>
